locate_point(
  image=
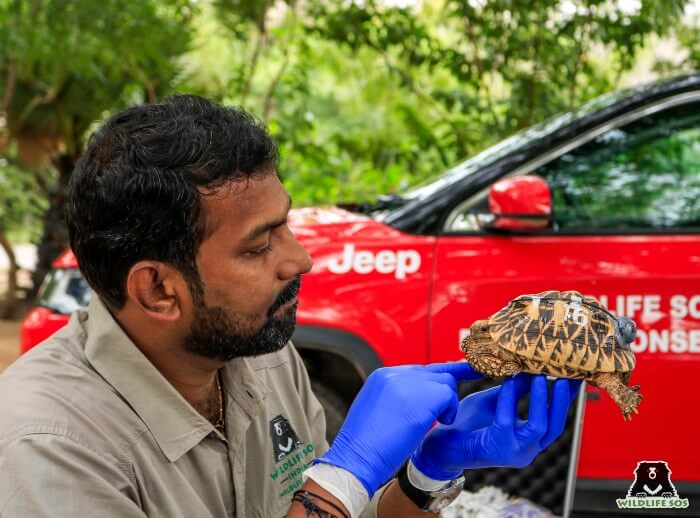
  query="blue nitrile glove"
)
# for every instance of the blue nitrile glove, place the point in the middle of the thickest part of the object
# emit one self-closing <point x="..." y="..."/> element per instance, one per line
<point x="390" y="417"/>
<point x="487" y="432"/>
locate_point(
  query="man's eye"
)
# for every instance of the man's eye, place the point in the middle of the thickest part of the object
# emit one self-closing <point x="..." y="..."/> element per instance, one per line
<point x="261" y="251"/>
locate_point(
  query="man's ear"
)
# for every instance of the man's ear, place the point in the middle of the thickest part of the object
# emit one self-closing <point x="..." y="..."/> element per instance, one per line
<point x="156" y="288"/>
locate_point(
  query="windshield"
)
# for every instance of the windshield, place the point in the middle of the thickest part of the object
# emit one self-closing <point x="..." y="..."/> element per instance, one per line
<point x="64" y="291"/>
<point x="505" y="147"/>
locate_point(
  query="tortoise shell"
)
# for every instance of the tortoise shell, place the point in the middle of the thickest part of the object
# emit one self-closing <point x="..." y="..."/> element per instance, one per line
<point x="564" y="334"/>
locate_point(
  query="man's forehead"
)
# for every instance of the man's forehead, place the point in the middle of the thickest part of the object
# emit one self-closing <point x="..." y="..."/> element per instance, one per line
<point x="241" y="206"/>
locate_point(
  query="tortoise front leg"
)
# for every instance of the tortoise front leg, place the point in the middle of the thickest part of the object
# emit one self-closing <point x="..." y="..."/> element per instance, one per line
<point x="626" y="397"/>
<point x="626" y="381"/>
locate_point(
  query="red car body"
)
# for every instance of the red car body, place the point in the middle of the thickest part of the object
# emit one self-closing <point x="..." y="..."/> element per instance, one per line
<point x="392" y="286"/>
<point x="420" y="318"/>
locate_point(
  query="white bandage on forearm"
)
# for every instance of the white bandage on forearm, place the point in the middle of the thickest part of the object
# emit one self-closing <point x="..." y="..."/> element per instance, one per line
<point x="341" y="484"/>
<point x="423" y="482"/>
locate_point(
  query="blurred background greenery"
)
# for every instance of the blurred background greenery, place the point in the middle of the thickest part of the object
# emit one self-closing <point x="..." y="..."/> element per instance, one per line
<point x="363" y="97"/>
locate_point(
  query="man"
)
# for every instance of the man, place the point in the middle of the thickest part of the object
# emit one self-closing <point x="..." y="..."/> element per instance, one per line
<point x="176" y="392"/>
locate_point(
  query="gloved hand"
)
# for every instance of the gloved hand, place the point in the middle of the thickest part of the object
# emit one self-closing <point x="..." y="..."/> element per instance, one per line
<point x="487" y="432"/>
<point x="391" y="415"/>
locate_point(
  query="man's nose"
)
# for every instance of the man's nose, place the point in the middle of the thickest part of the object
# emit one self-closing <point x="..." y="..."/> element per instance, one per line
<point x="298" y="263"/>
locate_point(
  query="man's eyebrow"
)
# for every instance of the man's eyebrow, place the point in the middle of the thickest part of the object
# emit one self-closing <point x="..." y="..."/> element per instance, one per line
<point x="264" y="227"/>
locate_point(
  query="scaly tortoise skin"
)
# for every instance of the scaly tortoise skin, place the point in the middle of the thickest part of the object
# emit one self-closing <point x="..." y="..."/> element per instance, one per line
<point x="562" y="334"/>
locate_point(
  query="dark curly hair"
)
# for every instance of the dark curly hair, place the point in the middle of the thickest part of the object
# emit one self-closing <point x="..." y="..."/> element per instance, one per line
<point x="136" y="192"/>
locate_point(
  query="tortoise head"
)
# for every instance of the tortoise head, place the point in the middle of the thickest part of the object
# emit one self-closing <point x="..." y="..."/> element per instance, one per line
<point x="627" y="329"/>
<point x="478" y="331"/>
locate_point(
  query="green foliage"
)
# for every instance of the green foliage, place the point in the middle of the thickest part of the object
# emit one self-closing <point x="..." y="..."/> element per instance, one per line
<point x="63" y="65"/>
<point x="687" y="34"/>
<point x="65" y="62"/>
<point x="363" y="98"/>
<point x="21" y="200"/>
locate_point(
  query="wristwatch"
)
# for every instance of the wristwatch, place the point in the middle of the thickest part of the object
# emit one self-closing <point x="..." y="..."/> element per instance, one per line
<point x="432" y="500"/>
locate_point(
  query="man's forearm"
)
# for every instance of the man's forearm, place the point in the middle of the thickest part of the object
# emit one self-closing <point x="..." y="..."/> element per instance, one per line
<point x="296" y="510"/>
<point x="393" y="504"/>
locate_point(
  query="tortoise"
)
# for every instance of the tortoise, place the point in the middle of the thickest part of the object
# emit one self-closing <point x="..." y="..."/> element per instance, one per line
<point x="562" y="334"/>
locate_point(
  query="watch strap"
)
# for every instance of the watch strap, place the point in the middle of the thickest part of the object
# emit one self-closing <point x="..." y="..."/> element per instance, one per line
<point x="415" y="495"/>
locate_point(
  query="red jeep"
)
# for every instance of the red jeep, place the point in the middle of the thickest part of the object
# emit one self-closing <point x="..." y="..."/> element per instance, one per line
<point x="604" y="200"/>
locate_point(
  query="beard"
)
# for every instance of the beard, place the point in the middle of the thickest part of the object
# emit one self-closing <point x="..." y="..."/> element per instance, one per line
<point x="219" y="334"/>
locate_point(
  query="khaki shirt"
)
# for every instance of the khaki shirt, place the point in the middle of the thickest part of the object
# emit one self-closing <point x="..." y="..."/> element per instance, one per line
<point x="89" y="427"/>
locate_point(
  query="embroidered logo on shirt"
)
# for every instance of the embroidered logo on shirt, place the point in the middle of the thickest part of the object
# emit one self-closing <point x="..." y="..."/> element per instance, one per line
<point x="284" y="438"/>
<point x="291" y="456"/>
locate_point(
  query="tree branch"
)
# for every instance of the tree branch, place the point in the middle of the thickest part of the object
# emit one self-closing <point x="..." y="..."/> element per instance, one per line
<point x="444" y="114"/>
<point x="482" y="76"/>
<point x="41" y="183"/>
<point x="533" y="81"/>
<point x="267" y="104"/>
<point x="8" y="305"/>
<point x="273" y="86"/>
<point x="150" y="90"/>
<point x="578" y="55"/>
<point x="259" y="44"/>
<point x="10" y="88"/>
<point x="37" y="101"/>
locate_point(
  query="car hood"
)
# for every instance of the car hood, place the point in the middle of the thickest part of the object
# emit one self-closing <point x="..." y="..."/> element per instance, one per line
<point x="331" y="224"/>
<point x="324" y="215"/>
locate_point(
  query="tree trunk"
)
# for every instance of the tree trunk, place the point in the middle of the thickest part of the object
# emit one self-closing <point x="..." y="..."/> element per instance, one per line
<point x="8" y="306"/>
<point x="54" y="238"/>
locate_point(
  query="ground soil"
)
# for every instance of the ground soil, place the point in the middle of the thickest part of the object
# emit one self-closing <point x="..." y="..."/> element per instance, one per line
<point x="9" y="342"/>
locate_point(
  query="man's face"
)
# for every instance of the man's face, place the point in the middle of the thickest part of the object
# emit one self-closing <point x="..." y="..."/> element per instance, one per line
<point x="250" y="266"/>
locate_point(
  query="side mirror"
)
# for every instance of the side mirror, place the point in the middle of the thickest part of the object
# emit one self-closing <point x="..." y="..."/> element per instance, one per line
<point x="520" y="203"/>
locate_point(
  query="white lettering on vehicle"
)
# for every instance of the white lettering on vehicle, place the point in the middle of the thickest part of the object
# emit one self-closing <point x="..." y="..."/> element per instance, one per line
<point x="682" y="306"/>
<point x="664" y="341"/>
<point x="648" y="309"/>
<point x="644" y="307"/>
<point x="399" y="262"/>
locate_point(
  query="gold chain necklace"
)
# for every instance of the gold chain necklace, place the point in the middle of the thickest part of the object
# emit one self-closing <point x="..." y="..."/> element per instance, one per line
<point x="220" y="423"/>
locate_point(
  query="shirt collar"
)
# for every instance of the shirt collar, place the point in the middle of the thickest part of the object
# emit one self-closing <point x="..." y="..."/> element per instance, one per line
<point x="244" y="387"/>
<point x="176" y="426"/>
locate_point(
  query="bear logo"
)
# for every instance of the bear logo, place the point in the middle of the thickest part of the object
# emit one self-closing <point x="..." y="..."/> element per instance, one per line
<point x="284" y="439"/>
<point x="652" y="479"/>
